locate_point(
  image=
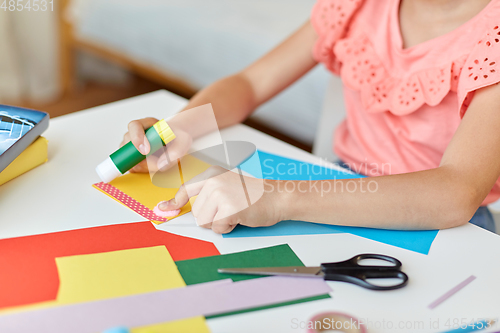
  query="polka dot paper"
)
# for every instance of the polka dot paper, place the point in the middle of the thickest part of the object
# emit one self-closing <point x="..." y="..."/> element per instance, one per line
<point x="130" y="202"/>
<point x="137" y="191"/>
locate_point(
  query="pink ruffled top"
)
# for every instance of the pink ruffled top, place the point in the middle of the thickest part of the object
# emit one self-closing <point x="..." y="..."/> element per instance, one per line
<point x="403" y="105"/>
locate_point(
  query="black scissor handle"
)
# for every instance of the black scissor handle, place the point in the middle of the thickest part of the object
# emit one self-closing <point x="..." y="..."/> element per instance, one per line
<point x="360" y="278"/>
<point x="353" y="263"/>
<point x="350" y="271"/>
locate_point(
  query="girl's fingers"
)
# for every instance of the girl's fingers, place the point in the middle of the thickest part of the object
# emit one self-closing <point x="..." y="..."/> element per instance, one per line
<point x="185" y="192"/>
<point x="126" y="139"/>
<point x="205" y="194"/>
<point x="148" y="165"/>
<point x="136" y="131"/>
<point x="224" y="225"/>
<point x="140" y="168"/>
<point x="165" y="163"/>
<point x="207" y="210"/>
<point x="190" y="189"/>
<point x="222" y="228"/>
<point x="199" y="202"/>
<point x="206" y="226"/>
<point x="181" y="198"/>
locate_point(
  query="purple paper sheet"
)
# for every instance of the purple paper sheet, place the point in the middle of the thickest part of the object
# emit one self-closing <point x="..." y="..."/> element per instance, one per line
<point x="145" y="309"/>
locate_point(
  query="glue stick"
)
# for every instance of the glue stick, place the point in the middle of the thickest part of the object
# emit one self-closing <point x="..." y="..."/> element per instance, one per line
<point x="128" y="156"/>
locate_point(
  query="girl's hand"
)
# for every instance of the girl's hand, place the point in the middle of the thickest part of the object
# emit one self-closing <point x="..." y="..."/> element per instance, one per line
<point x="176" y="148"/>
<point x="224" y="202"/>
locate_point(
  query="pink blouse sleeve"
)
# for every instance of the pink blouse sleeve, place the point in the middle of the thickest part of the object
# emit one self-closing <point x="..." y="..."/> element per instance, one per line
<point x="330" y="19"/>
<point x="482" y="67"/>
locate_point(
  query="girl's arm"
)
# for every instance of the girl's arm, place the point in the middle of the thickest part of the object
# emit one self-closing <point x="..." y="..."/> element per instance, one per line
<point x="439" y="198"/>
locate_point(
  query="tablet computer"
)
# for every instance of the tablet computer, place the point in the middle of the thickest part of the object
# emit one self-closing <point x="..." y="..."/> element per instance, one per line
<point x="19" y="127"/>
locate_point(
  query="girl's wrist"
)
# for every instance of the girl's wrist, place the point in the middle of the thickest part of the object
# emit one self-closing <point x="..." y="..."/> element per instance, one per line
<point x="282" y="200"/>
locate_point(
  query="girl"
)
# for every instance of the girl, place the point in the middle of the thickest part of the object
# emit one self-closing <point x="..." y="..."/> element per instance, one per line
<point x="421" y="92"/>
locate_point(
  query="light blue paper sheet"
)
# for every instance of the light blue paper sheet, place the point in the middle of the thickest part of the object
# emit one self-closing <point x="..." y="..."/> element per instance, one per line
<point x="272" y="166"/>
<point x="269" y="166"/>
<point x="417" y="241"/>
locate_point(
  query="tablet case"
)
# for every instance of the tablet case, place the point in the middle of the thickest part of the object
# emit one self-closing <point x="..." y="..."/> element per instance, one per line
<point x="11" y="116"/>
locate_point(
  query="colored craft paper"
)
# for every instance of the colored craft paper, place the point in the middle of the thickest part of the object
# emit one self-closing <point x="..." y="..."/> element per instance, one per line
<point x="272" y="166"/>
<point x="29" y="273"/>
<point x="267" y="307"/>
<point x="451" y="292"/>
<point x="137" y="192"/>
<point x="30" y="158"/>
<point x="154" y="193"/>
<point x="278" y="167"/>
<point x="143" y="309"/>
<point x="89" y="277"/>
<point x="418" y="241"/>
<point x="205" y="269"/>
<point x="190" y="325"/>
<point x="283" y="228"/>
<point x="200" y="271"/>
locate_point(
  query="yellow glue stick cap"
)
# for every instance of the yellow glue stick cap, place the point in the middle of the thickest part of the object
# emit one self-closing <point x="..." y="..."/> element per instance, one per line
<point x="164" y="131"/>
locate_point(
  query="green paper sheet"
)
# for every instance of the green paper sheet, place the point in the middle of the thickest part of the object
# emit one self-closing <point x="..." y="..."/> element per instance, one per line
<point x="202" y="270"/>
<point x="303" y="300"/>
<point x="205" y="269"/>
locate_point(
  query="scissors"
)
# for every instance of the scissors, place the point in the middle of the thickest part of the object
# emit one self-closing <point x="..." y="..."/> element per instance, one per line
<point x="347" y="271"/>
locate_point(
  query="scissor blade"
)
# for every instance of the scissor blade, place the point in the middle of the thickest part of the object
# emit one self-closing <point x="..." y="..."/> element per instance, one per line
<point x="284" y="271"/>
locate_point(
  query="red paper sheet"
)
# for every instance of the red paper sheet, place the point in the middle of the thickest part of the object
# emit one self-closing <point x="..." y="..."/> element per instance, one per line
<point x="28" y="272"/>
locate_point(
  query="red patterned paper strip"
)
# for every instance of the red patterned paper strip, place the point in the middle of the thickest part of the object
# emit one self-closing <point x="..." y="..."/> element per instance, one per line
<point x="130" y="202"/>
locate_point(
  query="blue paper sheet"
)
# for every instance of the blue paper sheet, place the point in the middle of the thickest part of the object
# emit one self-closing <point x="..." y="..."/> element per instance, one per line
<point x="417" y="241"/>
<point x="272" y="166"/>
<point x="284" y="228"/>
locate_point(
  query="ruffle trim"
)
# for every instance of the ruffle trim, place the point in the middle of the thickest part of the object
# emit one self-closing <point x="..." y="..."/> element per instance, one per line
<point x="481" y="68"/>
<point x="363" y="70"/>
<point x="330" y="19"/>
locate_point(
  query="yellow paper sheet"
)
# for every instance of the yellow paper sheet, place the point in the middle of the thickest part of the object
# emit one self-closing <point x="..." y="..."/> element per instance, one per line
<point x="31" y="157"/>
<point x="99" y="276"/>
<point x="140" y="187"/>
<point x="149" y="193"/>
<point x="113" y="274"/>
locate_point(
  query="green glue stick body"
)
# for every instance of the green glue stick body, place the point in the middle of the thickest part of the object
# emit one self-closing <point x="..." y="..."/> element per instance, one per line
<point x="128" y="156"/>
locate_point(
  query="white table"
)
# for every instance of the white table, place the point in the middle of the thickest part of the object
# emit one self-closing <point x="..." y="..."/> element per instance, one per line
<point x="58" y="196"/>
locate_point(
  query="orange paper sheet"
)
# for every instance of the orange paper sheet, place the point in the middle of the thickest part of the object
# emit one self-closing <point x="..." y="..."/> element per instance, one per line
<point x="100" y="276"/>
<point x="29" y="273"/>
